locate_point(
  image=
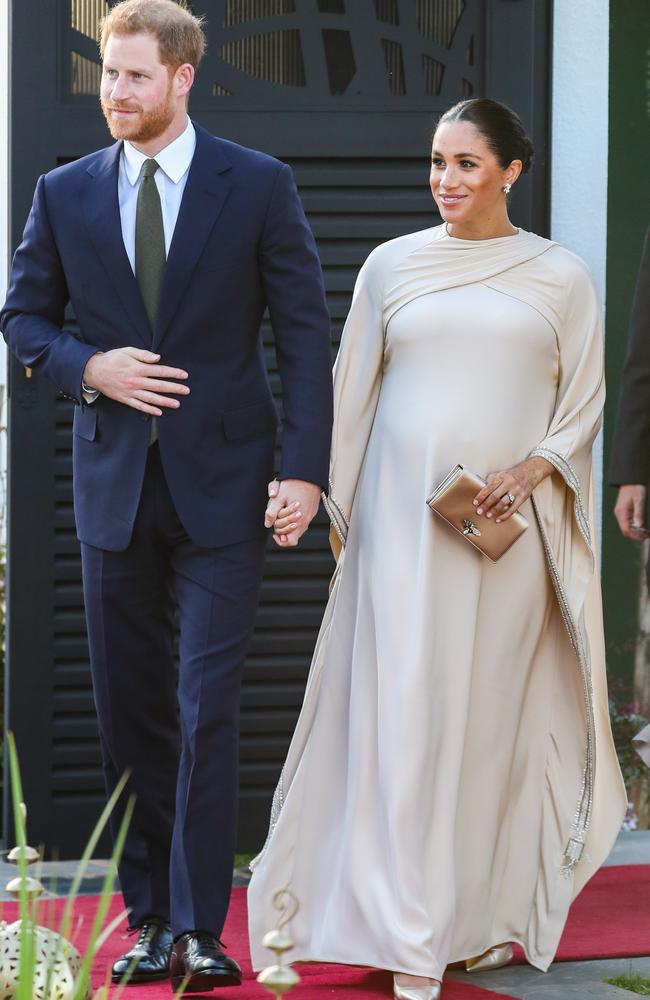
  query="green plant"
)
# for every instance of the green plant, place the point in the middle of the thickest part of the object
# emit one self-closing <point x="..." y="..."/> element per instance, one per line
<point x="634" y="982"/>
<point x="29" y="908"/>
<point x="627" y="721"/>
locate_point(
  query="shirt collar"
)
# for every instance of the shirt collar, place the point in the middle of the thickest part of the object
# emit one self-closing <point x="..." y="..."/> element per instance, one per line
<point x="174" y="159"/>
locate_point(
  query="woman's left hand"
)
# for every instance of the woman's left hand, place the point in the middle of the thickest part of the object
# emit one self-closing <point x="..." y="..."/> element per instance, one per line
<point x="505" y="491"/>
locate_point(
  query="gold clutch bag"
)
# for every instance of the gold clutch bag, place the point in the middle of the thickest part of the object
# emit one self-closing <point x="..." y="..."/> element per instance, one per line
<point x="452" y="500"/>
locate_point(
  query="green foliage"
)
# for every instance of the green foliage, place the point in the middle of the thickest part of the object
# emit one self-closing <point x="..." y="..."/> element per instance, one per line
<point x="634" y="982"/>
<point x="29" y="908"/>
<point x="627" y="721"/>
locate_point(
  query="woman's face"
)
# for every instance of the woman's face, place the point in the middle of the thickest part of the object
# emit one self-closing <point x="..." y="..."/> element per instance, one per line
<point x="466" y="178"/>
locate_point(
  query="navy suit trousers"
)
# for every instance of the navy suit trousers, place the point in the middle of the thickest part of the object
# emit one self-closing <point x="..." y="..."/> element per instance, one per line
<point x="177" y="735"/>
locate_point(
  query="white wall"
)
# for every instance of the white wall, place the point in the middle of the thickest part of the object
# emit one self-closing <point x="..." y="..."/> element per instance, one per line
<point x="579" y="138"/>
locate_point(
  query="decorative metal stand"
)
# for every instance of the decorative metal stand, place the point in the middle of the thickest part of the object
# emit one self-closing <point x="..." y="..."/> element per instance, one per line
<point x="54" y="961"/>
<point x="278" y="979"/>
<point x="33" y="888"/>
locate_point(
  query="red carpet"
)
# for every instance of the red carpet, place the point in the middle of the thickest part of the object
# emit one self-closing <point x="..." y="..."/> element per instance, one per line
<point x="611" y="916"/>
<point x="610" y="919"/>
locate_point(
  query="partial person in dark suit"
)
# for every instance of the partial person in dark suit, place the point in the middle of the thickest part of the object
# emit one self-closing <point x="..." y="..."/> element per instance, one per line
<point x="170" y="244"/>
<point x="630" y="464"/>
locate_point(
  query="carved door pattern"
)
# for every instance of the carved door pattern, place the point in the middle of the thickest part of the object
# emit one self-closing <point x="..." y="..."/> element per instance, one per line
<point x="317" y="52"/>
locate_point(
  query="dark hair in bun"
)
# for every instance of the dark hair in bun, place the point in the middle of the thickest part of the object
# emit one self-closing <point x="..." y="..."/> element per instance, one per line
<point x="500" y="127"/>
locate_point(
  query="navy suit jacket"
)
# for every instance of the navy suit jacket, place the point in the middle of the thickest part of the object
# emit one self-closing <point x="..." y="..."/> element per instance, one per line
<point x="241" y="243"/>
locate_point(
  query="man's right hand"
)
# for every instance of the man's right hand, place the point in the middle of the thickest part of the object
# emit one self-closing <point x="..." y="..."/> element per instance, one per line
<point x="630" y="511"/>
<point x="132" y="376"/>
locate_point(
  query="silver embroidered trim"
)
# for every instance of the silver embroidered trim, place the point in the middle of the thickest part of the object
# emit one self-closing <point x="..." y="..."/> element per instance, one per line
<point x="575" y="846"/>
<point x="276" y="809"/>
<point x="336" y="515"/>
<point x="567" y="472"/>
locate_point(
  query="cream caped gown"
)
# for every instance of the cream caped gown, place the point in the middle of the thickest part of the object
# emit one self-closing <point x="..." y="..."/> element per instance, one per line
<point x="452" y="783"/>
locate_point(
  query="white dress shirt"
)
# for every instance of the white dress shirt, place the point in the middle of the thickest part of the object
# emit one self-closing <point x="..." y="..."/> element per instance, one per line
<point x="173" y="167"/>
<point x="171" y="177"/>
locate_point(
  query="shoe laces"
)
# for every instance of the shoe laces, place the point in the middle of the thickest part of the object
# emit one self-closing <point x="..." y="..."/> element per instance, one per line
<point x="146" y="935"/>
<point x="206" y="940"/>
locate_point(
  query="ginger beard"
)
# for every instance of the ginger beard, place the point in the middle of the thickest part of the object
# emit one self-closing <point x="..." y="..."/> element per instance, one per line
<point x="142" y="126"/>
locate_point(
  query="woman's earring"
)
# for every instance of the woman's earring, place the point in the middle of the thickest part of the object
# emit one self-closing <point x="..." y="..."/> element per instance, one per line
<point x="507" y="188"/>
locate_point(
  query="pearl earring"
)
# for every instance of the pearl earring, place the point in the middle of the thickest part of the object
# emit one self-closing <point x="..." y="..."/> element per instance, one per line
<point x="507" y="188"/>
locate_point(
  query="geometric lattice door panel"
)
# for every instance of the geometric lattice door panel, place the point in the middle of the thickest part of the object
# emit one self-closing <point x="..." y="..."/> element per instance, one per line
<point x="347" y="92"/>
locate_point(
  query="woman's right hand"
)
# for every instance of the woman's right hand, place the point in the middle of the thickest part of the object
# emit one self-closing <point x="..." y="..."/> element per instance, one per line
<point x="287" y="519"/>
<point x="290" y="520"/>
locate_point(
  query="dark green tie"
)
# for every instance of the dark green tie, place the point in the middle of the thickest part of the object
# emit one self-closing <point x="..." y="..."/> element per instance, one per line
<point x="149" y="241"/>
<point x="149" y="250"/>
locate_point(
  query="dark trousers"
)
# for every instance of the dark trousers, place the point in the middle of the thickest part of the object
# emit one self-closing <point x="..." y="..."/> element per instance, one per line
<point x="180" y="743"/>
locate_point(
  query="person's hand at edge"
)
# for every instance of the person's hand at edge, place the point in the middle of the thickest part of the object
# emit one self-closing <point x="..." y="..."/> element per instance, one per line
<point x="630" y="511"/>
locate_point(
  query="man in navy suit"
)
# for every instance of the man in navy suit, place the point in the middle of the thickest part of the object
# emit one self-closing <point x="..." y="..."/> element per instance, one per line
<point x="170" y="244"/>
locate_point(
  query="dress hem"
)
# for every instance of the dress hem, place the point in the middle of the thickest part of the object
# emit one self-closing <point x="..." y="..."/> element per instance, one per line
<point x="357" y="965"/>
<point x="539" y="963"/>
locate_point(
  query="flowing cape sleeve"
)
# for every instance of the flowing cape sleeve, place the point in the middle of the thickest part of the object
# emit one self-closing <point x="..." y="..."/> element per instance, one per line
<point x="357" y="381"/>
<point x="573" y="429"/>
<point x="563" y="505"/>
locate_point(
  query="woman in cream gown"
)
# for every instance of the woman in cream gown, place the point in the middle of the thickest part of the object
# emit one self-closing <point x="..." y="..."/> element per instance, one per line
<point x="452" y="782"/>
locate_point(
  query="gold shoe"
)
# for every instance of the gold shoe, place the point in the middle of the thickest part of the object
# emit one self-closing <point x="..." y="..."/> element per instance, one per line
<point x="493" y="958"/>
<point x="431" y="992"/>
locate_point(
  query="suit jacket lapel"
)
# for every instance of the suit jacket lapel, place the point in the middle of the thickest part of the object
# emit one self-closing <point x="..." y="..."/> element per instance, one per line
<point x="205" y="194"/>
<point x="102" y="212"/>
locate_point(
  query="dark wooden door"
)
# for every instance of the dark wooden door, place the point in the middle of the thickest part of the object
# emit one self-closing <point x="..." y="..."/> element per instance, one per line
<point x="346" y="91"/>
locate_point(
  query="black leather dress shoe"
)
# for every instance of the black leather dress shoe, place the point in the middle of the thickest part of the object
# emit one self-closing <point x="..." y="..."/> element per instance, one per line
<point x="149" y="957"/>
<point x="198" y="961"/>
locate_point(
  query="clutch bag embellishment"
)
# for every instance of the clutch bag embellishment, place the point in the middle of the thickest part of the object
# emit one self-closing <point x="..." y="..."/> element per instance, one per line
<point x="453" y="501"/>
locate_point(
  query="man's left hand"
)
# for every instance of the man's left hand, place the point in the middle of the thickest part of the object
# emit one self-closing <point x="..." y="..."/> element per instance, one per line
<point x="292" y="506"/>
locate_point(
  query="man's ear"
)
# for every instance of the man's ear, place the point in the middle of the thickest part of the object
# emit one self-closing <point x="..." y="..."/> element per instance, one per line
<point x="184" y="80"/>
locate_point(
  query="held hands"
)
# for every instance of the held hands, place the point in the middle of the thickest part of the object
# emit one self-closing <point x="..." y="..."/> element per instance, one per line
<point x="292" y="506"/>
<point x="134" y="377"/>
<point x="505" y="491"/>
<point x="630" y="511"/>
